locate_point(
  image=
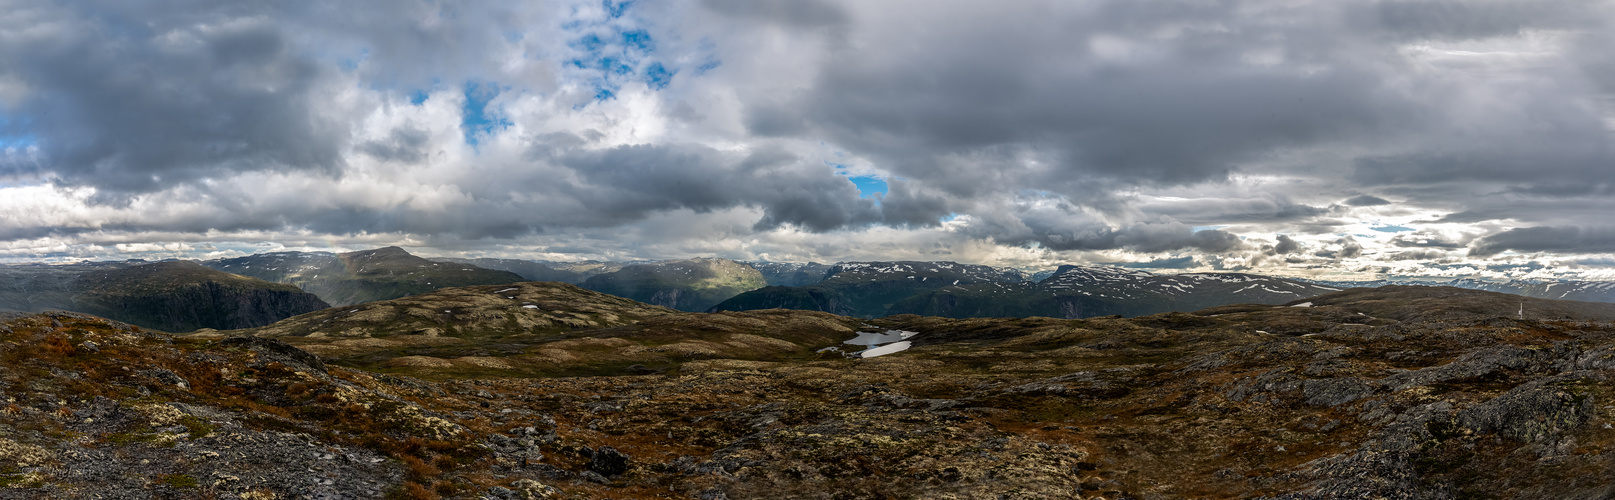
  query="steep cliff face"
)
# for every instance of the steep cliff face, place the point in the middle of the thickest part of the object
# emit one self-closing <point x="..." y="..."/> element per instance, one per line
<point x="202" y="305"/>
<point x="184" y="296"/>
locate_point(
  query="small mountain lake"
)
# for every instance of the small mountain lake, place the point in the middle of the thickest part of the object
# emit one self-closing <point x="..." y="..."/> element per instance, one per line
<point x="878" y="343"/>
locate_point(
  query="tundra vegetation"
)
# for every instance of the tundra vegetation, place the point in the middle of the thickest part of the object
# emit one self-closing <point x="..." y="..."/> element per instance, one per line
<point x="1397" y="392"/>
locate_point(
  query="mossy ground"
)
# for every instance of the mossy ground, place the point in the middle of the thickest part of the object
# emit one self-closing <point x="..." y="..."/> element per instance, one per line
<point x="1208" y="405"/>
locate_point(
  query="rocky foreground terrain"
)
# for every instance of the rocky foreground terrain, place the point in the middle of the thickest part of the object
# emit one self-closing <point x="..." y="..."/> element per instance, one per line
<point x="1397" y="392"/>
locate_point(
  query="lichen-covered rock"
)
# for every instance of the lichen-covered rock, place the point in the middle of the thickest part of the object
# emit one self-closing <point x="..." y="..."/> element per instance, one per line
<point x="1536" y="410"/>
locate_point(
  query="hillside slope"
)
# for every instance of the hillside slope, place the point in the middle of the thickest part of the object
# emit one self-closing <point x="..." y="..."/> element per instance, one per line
<point x="868" y="289"/>
<point x="791" y="273"/>
<point x="175" y="296"/>
<point x="544" y="329"/>
<point x="528" y="270"/>
<point x="686" y="285"/>
<point x="362" y="276"/>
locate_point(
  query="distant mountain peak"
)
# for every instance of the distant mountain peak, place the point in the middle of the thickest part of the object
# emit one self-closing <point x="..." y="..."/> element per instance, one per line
<point x="380" y="252"/>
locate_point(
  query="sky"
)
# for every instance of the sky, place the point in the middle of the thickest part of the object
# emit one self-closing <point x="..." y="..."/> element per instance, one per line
<point x="1332" y="138"/>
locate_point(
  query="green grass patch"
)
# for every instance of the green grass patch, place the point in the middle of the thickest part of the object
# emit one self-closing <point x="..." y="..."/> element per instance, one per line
<point x="198" y="428"/>
<point x="178" y="481"/>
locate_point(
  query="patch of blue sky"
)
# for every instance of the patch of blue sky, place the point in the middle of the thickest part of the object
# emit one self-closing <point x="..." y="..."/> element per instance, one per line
<point x="13" y="133"/>
<point x="1197" y="229"/>
<point x="638" y="39"/>
<point x="476" y="120"/>
<point x="587" y="43"/>
<point x="869" y="185"/>
<point x="616" y="9"/>
<point x="18" y="141"/>
<point x="419" y="96"/>
<point x="658" y="76"/>
<point x="1390" y="228"/>
<point x="949" y="218"/>
<point x="614" y="52"/>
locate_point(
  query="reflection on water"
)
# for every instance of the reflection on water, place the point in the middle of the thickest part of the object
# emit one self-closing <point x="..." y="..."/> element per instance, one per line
<point x="879" y="338"/>
<point x="886" y="349"/>
<point x="882" y="343"/>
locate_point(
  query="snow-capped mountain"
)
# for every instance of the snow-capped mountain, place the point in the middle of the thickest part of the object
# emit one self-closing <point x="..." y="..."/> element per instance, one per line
<point x="964" y="290"/>
<point x="869" y="288"/>
<point x="1585" y="291"/>
<point x="1086" y="291"/>
<point x="790" y="273"/>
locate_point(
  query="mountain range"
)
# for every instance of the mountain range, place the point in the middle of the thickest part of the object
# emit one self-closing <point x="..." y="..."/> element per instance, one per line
<point x="223" y="300"/>
<point x="874" y="289"/>
<point x="686" y="285"/>
<point x="1084" y="292"/>
<point x="174" y="296"/>
<point x="363" y="276"/>
<point x="1588" y="291"/>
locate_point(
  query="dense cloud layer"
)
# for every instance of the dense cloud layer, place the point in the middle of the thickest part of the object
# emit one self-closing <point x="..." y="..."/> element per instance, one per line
<point x="1305" y="137"/>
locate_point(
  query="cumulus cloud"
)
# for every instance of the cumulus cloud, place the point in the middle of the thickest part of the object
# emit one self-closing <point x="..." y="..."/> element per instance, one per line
<point x="1567" y="239"/>
<point x="1365" y="201"/>
<point x="1285" y="245"/>
<point x="1026" y="131"/>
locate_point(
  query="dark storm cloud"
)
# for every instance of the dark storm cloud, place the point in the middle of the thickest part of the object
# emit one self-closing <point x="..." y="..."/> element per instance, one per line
<point x="1210" y="211"/>
<point x="1087" y="104"/>
<point x="1449" y="19"/>
<point x="1349" y="248"/>
<point x="1426" y="240"/>
<point x="404" y="145"/>
<point x="1286" y="245"/>
<point x="1365" y="201"/>
<point x="796" y="13"/>
<point x="1565" y="239"/>
<point x="1107" y="125"/>
<point x="629" y="182"/>
<point x="136" y="97"/>
<point x="1415" y="255"/>
<point x="1185" y="262"/>
<point x="1148" y="238"/>
<point x="1182" y="110"/>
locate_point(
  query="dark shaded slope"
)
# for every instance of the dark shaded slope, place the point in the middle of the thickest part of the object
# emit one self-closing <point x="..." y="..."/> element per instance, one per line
<point x="1432" y="303"/>
<point x="528" y="270"/>
<point x="791" y="273"/>
<point x="1085" y="292"/>
<point x="181" y="296"/>
<point x="868" y="289"/>
<point x="686" y="285"/>
<point x="363" y="276"/>
<point x="176" y="296"/>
